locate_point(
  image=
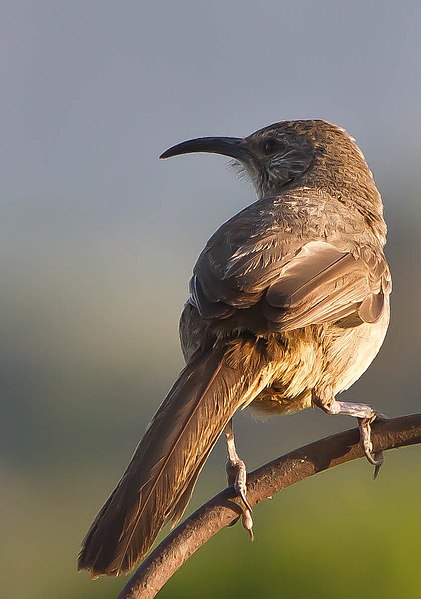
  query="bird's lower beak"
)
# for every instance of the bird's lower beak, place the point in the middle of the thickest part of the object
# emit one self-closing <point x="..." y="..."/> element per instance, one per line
<point x="235" y="147"/>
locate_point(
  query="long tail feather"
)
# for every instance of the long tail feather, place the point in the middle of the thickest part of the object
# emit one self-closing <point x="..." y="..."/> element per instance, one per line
<point x="160" y="478"/>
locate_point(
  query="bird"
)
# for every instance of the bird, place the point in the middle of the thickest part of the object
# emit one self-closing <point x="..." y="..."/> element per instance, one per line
<point x="289" y="303"/>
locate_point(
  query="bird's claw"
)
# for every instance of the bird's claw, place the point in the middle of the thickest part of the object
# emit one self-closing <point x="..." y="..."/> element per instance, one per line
<point x="376" y="459"/>
<point x="237" y="477"/>
<point x="247" y="522"/>
<point x="240" y="483"/>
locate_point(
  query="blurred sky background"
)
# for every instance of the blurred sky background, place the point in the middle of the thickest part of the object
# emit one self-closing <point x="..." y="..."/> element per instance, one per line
<point x="98" y="239"/>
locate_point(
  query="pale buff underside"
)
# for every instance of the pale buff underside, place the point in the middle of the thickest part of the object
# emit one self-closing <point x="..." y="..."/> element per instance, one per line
<point x="332" y="359"/>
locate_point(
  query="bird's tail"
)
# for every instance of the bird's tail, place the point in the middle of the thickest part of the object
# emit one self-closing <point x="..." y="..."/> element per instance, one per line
<point x="160" y="478"/>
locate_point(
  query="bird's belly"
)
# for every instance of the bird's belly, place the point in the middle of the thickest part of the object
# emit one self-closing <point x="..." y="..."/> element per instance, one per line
<point x="355" y="349"/>
<point x="332" y="356"/>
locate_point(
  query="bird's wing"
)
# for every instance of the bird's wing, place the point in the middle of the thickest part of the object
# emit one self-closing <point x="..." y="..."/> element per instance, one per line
<point x="296" y="283"/>
<point x="323" y="284"/>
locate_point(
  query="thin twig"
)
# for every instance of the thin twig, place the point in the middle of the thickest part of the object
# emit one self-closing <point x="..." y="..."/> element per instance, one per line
<point x="264" y="482"/>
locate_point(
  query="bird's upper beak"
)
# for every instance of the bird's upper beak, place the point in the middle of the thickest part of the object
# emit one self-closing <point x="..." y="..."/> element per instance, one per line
<point x="235" y="147"/>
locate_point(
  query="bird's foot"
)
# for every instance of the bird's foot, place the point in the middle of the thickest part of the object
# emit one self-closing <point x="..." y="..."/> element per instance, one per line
<point x="237" y="477"/>
<point x="365" y="416"/>
<point x="376" y="459"/>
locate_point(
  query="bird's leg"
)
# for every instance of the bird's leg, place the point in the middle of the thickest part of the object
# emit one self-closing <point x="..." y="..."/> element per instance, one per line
<point x="237" y="477"/>
<point x="365" y="416"/>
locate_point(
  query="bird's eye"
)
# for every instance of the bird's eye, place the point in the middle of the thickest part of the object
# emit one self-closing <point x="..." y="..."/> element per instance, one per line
<point x="270" y="145"/>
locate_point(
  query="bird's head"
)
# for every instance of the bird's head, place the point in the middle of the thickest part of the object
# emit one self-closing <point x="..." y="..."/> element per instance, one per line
<point x="273" y="157"/>
<point x="311" y="153"/>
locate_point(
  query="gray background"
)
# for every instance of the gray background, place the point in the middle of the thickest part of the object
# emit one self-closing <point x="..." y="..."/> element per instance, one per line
<point x="98" y="237"/>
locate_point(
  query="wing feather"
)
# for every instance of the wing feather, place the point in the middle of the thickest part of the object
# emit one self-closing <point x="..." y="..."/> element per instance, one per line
<point x="296" y="284"/>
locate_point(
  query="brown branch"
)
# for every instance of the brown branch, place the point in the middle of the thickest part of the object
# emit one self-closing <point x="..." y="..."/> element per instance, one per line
<point x="264" y="482"/>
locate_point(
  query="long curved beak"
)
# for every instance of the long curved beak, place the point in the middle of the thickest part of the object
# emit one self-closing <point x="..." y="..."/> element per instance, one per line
<point x="235" y="147"/>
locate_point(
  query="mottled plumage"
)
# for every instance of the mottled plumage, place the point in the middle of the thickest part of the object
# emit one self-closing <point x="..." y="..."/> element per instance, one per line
<point x="288" y="306"/>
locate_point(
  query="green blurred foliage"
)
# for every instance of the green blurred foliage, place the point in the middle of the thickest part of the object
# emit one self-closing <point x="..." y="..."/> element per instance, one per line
<point x="338" y="534"/>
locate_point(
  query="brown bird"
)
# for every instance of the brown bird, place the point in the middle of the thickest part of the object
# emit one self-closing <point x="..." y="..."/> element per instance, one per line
<point x="288" y="306"/>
